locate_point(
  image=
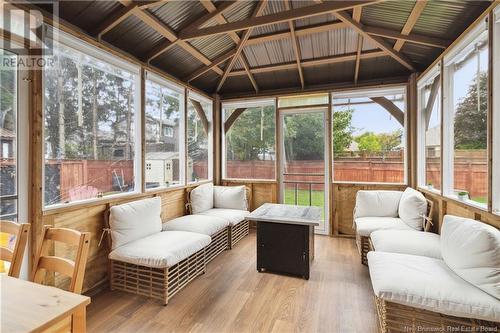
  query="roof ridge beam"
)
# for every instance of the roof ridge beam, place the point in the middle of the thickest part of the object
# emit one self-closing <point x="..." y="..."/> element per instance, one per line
<point x="410" y="38"/>
<point x="410" y="22"/>
<point x="285" y="16"/>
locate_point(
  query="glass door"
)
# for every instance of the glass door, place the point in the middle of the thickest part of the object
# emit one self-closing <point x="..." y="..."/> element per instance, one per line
<point x="304" y="159"/>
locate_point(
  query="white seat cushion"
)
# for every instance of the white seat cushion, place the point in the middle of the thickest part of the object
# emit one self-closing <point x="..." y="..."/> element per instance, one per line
<point x="202" y="224"/>
<point x="160" y="250"/>
<point x="134" y="220"/>
<point x="377" y="203"/>
<point x="366" y="225"/>
<point x="233" y="216"/>
<point x="428" y="283"/>
<point x="418" y="243"/>
<point x="472" y="250"/>
<point x="202" y="198"/>
<point x="230" y="197"/>
<point x="412" y="208"/>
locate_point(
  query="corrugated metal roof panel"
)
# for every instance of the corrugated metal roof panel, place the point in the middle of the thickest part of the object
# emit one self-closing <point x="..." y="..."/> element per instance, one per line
<point x="177" y="62"/>
<point x="133" y="36"/>
<point x="381" y="67"/>
<point x="390" y="14"/>
<point x="241" y="11"/>
<point x="329" y="73"/>
<point x="421" y="55"/>
<point x="329" y="43"/>
<point x="207" y="82"/>
<point x="272" y="52"/>
<point x="278" y="80"/>
<point x="179" y="14"/>
<point x="235" y="84"/>
<point x="238" y="64"/>
<point x="86" y="15"/>
<point x="213" y="46"/>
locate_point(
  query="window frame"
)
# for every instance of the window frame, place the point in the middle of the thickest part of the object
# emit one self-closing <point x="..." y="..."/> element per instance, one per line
<point x="81" y="46"/>
<point x="373" y="92"/>
<point x="448" y="115"/>
<point x="421" y="148"/>
<point x="150" y="76"/>
<point x="495" y="104"/>
<point x="246" y="103"/>
<point x="190" y="94"/>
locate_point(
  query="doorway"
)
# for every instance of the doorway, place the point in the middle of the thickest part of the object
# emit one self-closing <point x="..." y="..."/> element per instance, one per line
<point x="304" y="159"/>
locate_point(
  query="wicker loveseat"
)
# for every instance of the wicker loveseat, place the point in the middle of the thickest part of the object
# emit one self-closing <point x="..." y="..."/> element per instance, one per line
<point x="230" y="203"/>
<point x="389" y="210"/>
<point x="458" y="293"/>
<point x="147" y="261"/>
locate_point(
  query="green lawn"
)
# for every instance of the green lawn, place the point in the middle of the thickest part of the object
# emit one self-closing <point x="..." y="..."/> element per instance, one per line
<point x="317" y="197"/>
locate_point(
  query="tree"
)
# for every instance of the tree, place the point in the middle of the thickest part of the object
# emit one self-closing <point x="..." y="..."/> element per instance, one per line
<point x="305" y="137"/>
<point x="368" y="143"/>
<point x="390" y="141"/>
<point x="342" y="130"/>
<point x="471" y="120"/>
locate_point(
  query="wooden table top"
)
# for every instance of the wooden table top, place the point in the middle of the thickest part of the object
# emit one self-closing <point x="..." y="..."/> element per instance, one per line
<point x="30" y="307"/>
<point x="288" y="214"/>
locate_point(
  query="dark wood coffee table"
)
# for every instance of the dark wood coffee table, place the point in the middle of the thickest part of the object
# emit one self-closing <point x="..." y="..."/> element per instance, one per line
<point x="285" y="238"/>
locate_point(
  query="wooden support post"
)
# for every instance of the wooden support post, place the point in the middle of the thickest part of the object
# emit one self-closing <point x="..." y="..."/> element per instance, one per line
<point x="412" y="113"/>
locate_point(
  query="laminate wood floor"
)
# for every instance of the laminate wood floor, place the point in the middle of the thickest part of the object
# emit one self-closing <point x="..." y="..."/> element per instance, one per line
<point x="233" y="297"/>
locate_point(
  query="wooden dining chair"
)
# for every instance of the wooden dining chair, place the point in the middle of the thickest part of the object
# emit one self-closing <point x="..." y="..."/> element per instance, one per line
<point x="14" y="256"/>
<point x="74" y="269"/>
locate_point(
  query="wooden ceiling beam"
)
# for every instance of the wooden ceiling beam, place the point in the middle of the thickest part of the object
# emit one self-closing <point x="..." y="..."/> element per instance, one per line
<point x="356" y="15"/>
<point x="210" y="7"/>
<point x="296" y="47"/>
<point x="298" y="32"/>
<point x="410" y="22"/>
<point x="232" y="118"/>
<point x="201" y="114"/>
<point x="160" y="48"/>
<point x="312" y="62"/>
<point x="217" y="61"/>
<point x="436" y="84"/>
<point x="169" y="34"/>
<point x="285" y="16"/>
<point x="378" y="41"/>
<point x="239" y="48"/>
<point x="219" y="10"/>
<point x="411" y="38"/>
<point x="115" y="18"/>
<point x="390" y="107"/>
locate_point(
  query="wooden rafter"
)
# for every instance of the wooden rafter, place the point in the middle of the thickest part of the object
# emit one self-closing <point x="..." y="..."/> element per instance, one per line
<point x="411" y="38"/>
<point x="217" y="61"/>
<point x="201" y="114"/>
<point x="115" y="18"/>
<point x="356" y="15"/>
<point x="285" y="16"/>
<point x="378" y="41"/>
<point x="310" y="63"/>
<point x="171" y="36"/>
<point x="296" y="47"/>
<point x="436" y="84"/>
<point x="232" y="118"/>
<point x="225" y="5"/>
<point x="210" y="7"/>
<point x="391" y="108"/>
<point x="239" y="48"/>
<point x="410" y="22"/>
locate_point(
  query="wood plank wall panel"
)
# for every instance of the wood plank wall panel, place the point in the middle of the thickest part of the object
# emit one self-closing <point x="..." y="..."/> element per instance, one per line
<point x="91" y="218"/>
<point x="344" y="200"/>
<point x="444" y="206"/>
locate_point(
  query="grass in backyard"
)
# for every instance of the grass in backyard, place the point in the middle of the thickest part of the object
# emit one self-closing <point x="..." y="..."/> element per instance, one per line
<point x="317" y="197"/>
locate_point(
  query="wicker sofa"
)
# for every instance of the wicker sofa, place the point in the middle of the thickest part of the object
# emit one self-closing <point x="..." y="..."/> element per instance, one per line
<point x="230" y="203"/>
<point x="389" y="210"/>
<point x="459" y="292"/>
<point x="147" y="261"/>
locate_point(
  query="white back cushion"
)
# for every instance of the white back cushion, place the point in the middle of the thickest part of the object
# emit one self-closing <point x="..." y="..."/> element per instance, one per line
<point x="412" y="208"/>
<point x="377" y="203"/>
<point x="230" y="197"/>
<point x="472" y="250"/>
<point x="134" y="220"/>
<point x="202" y="198"/>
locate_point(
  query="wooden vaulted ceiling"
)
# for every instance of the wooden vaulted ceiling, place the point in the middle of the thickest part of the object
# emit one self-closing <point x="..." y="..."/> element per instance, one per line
<point x="247" y="47"/>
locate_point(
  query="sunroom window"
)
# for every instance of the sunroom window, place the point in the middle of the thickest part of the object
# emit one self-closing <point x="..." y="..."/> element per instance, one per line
<point x="496" y="113"/>
<point x="91" y="104"/>
<point x="249" y="130"/>
<point x="199" y="138"/>
<point x="465" y="161"/>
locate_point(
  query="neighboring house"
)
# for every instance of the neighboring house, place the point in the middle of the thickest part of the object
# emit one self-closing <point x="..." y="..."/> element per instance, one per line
<point x="433" y="142"/>
<point x="162" y="168"/>
<point x="7" y="141"/>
